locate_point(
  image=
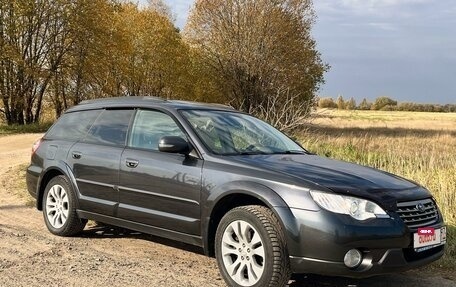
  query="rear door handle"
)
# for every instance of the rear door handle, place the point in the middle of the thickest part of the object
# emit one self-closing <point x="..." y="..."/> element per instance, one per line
<point x="132" y="163"/>
<point x="76" y="155"/>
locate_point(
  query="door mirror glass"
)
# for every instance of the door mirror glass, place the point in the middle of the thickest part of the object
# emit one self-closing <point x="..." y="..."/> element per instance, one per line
<point x="173" y="144"/>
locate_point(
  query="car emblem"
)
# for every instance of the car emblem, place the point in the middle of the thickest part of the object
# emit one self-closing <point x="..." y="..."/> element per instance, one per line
<point x="420" y="207"/>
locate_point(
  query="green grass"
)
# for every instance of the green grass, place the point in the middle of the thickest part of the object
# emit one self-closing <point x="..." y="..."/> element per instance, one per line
<point x="24" y="129"/>
<point x="449" y="260"/>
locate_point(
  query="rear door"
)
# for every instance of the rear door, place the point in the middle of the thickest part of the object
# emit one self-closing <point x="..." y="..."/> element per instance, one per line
<point x="95" y="161"/>
<point x="156" y="188"/>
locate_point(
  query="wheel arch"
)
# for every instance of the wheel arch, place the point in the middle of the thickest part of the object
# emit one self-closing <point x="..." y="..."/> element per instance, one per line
<point x="60" y="169"/>
<point x="234" y="196"/>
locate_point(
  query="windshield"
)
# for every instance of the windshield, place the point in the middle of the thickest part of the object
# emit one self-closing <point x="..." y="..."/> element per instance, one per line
<point x="231" y="133"/>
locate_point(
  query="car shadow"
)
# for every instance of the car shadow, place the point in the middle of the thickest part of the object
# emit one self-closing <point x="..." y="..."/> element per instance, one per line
<point x="325" y="281"/>
<point x="391" y="280"/>
<point x="101" y="231"/>
<point x="410" y="278"/>
<point x="13" y="207"/>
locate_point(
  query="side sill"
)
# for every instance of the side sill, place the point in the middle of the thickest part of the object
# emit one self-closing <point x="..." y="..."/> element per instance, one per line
<point x="156" y="231"/>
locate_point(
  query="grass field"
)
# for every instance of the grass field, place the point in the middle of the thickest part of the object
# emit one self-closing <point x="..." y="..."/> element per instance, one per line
<point x="385" y="119"/>
<point x="418" y="146"/>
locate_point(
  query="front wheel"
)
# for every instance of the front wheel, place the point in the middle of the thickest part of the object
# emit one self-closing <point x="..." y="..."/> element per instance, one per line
<point x="59" y="208"/>
<point x="250" y="248"/>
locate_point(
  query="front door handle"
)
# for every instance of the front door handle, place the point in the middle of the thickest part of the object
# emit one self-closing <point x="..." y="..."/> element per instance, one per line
<point x="76" y="155"/>
<point x="132" y="163"/>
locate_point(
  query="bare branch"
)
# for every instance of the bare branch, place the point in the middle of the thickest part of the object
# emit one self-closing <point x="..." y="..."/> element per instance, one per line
<point x="283" y="110"/>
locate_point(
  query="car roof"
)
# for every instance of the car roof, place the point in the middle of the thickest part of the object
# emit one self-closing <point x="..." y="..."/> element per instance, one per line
<point x="145" y="102"/>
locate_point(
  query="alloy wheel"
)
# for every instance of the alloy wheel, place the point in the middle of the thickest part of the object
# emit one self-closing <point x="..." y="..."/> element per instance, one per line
<point x="243" y="253"/>
<point x="57" y="206"/>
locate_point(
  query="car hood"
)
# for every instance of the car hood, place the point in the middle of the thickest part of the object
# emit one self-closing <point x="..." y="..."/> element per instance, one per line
<point x="339" y="176"/>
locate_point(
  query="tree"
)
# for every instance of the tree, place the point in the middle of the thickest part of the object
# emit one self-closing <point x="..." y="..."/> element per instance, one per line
<point x="160" y="7"/>
<point x="156" y="61"/>
<point x="365" y="105"/>
<point x="251" y="50"/>
<point x="93" y="41"/>
<point x="60" y="52"/>
<point x="340" y="102"/>
<point x="50" y="51"/>
<point x="351" y="104"/>
<point x="383" y="102"/>
<point x="34" y="37"/>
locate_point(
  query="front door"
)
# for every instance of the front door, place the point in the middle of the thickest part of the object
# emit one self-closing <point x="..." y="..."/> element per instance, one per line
<point x="156" y="188"/>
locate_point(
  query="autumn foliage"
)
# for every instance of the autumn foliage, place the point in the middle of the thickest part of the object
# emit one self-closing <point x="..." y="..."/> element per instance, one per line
<point x="56" y="53"/>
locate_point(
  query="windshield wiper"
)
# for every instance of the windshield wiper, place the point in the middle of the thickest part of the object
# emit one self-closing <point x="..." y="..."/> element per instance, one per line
<point x="252" y="153"/>
<point x="292" y="152"/>
<point x="271" y="153"/>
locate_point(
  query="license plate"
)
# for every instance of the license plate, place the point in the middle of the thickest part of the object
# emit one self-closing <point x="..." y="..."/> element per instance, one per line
<point x="423" y="242"/>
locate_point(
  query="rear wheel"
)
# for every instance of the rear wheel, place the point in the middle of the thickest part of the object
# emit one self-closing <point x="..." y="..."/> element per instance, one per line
<point x="59" y="208"/>
<point x="250" y="248"/>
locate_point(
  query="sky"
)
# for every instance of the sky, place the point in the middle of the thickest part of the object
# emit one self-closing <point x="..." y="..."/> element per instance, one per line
<point x="404" y="49"/>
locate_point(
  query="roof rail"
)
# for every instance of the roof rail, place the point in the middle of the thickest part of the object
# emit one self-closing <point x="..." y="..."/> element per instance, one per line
<point x="115" y="99"/>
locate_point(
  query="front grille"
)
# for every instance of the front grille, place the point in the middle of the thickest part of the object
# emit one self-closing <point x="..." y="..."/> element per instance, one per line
<point x="418" y="213"/>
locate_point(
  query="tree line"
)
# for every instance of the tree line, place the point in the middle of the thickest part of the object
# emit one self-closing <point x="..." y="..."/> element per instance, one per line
<point x="383" y="104"/>
<point x="256" y="55"/>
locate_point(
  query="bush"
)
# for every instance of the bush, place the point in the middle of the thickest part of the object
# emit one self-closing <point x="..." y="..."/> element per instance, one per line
<point x="24" y="129"/>
<point x="327" y="103"/>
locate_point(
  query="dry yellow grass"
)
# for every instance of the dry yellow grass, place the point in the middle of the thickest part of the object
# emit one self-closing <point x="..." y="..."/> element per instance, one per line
<point x="385" y="119"/>
<point x="418" y="146"/>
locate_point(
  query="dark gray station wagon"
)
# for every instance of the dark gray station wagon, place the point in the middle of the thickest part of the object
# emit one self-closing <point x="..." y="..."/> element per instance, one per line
<point x="223" y="180"/>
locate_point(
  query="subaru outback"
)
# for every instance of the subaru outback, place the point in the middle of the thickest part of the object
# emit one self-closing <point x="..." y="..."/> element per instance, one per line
<point x="233" y="185"/>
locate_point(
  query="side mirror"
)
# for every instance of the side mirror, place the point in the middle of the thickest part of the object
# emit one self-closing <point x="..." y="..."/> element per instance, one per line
<point x="173" y="144"/>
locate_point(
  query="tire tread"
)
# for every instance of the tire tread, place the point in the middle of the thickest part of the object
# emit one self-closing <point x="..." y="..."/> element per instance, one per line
<point x="74" y="225"/>
<point x="281" y="263"/>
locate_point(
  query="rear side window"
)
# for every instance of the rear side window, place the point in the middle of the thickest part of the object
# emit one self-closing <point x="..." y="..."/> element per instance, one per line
<point x="73" y="126"/>
<point x="110" y="128"/>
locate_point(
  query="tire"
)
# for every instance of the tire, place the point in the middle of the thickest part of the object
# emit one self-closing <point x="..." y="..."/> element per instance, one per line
<point x="251" y="249"/>
<point x="59" y="208"/>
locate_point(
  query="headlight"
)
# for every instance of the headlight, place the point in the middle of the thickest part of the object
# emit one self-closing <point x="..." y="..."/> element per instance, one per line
<point x="357" y="208"/>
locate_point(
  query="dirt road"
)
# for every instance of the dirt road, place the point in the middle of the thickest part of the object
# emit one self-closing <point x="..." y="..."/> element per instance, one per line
<point x="101" y="256"/>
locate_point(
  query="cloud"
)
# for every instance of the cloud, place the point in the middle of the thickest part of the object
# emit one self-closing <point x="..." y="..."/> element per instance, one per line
<point x="400" y="47"/>
<point x="181" y="9"/>
<point x="381" y="3"/>
<point x="383" y="26"/>
<point x="372" y="8"/>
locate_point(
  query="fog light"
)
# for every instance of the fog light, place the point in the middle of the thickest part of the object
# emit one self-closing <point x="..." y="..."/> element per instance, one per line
<point x="353" y="258"/>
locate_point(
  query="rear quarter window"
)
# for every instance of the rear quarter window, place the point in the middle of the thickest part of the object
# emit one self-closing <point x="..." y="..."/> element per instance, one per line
<point x="73" y="126"/>
<point x="110" y="128"/>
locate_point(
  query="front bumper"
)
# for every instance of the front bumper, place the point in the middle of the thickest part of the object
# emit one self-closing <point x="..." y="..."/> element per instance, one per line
<point x="318" y="241"/>
<point x="392" y="261"/>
